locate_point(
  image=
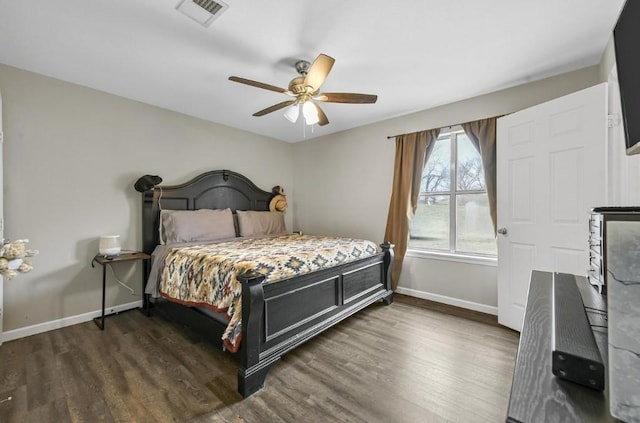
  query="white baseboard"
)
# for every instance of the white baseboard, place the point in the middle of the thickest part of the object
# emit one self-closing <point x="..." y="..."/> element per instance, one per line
<point x="66" y="321"/>
<point x="483" y="308"/>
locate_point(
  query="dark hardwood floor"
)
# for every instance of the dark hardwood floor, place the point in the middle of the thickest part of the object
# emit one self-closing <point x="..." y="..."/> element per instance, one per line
<point x="407" y="362"/>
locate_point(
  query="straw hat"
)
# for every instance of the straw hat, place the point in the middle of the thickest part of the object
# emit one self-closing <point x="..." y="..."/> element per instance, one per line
<point x="279" y="201"/>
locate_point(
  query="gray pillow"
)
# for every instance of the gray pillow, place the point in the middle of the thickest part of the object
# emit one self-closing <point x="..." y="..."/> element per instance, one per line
<point x="196" y="225"/>
<point x="255" y="223"/>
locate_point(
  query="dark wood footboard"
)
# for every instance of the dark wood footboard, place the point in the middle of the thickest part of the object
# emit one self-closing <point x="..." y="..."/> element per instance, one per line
<point x="279" y="316"/>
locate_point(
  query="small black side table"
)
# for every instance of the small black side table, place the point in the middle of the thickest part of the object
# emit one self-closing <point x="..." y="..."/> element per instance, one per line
<point x="104" y="261"/>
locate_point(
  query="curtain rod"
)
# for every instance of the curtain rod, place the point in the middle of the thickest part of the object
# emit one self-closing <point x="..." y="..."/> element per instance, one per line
<point x="445" y="126"/>
<point x="441" y="127"/>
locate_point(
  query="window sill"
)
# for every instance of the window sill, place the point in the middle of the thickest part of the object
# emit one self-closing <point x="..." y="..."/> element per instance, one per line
<point x="459" y="258"/>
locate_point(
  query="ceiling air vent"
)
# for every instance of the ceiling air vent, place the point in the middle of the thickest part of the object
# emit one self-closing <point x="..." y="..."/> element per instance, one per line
<point x="202" y="11"/>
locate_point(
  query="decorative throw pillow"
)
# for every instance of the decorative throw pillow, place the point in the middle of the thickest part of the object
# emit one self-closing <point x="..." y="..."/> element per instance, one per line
<point x="255" y="223"/>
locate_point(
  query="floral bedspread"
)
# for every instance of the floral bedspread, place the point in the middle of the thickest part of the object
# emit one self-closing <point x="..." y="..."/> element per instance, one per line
<point x="206" y="275"/>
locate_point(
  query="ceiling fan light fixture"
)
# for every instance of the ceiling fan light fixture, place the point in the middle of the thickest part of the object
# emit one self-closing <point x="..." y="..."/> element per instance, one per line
<point x="305" y="93"/>
<point x="292" y="112"/>
<point x="310" y="113"/>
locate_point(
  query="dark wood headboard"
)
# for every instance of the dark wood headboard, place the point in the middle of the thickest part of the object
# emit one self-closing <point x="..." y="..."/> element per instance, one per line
<point x="218" y="189"/>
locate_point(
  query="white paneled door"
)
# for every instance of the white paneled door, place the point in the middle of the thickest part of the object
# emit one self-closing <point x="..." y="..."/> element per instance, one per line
<point x="551" y="172"/>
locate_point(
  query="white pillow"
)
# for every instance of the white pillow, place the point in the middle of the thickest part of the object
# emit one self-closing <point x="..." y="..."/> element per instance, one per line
<point x="196" y="225"/>
<point x="255" y="223"/>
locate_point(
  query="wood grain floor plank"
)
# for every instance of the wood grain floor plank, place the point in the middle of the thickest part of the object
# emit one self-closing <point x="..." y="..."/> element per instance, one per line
<point x="13" y="409"/>
<point x="407" y="362"/>
<point x="54" y="411"/>
<point x="12" y="373"/>
<point x="82" y="388"/>
<point x="60" y="341"/>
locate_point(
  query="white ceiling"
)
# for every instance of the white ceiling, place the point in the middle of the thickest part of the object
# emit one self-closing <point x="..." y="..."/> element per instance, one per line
<point x="414" y="54"/>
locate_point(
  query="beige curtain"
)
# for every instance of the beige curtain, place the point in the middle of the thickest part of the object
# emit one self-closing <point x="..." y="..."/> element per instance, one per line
<point x="482" y="134"/>
<point x="412" y="151"/>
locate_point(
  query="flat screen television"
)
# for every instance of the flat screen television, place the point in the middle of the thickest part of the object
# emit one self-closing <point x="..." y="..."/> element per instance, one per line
<point x="626" y="38"/>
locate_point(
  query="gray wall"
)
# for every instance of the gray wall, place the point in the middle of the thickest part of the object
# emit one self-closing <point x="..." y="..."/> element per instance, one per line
<point x="71" y="156"/>
<point x="73" y="153"/>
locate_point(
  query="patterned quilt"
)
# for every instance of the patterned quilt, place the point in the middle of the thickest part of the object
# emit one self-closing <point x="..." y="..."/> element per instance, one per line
<point x="206" y="275"/>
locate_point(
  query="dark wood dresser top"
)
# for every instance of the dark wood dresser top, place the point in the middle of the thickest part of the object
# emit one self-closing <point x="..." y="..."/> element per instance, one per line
<point x="536" y="394"/>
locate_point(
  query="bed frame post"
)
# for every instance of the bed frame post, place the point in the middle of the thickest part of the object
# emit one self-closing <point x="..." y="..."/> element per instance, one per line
<point x="252" y="371"/>
<point x="387" y="249"/>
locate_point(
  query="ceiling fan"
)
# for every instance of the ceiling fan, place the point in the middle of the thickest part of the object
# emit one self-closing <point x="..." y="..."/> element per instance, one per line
<point x="305" y="90"/>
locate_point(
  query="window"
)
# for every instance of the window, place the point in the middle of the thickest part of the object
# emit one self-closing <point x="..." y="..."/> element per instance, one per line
<point x="453" y="208"/>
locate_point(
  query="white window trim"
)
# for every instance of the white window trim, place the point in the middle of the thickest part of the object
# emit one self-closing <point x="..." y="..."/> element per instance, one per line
<point x="454" y="257"/>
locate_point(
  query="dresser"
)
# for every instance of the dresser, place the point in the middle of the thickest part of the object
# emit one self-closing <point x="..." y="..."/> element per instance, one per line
<point x="601" y="240"/>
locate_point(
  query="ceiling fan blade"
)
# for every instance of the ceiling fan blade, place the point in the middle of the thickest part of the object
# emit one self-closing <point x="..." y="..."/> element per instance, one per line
<point x="347" y="98"/>
<point x="318" y="71"/>
<point x="274" y="108"/>
<point x="257" y="84"/>
<point x="323" y="118"/>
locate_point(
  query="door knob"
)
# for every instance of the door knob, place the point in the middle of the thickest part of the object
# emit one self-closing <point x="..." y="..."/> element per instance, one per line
<point x="502" y="231"/>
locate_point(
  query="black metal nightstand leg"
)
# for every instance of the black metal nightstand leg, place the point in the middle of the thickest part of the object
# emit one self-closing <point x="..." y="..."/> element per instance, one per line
<point x="108" y="261"/>
<point x="100" y="322"/>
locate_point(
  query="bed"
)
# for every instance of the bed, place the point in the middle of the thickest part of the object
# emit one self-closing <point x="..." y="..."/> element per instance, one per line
<point x="276" y="316"/>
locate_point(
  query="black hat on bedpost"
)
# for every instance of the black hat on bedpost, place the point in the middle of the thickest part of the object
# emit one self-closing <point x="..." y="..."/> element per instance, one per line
<point x="146" y="182"/>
